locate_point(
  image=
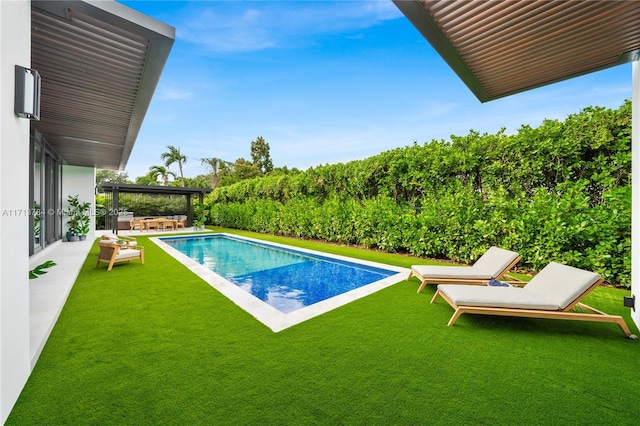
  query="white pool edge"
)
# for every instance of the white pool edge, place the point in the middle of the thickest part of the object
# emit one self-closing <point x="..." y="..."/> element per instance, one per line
<point x="268" y="315"/>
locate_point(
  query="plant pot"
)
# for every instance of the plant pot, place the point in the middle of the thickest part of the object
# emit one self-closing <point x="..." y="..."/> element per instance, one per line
<point x="73" y="238"/>
<point x="82" y="237"/>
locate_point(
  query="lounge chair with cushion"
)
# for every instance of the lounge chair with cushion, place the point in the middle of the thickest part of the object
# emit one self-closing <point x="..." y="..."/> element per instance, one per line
<point x="119" y="239"/>
<point x="494" y="264"/>
<point x="112" y="252"/>
<point x="553" y="293"/>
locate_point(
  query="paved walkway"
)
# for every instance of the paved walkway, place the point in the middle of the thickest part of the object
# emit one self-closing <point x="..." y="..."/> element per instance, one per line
<point x="48" y="293"/>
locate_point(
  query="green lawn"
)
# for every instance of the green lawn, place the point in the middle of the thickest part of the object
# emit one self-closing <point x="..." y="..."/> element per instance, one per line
<point x="154" y="344"/>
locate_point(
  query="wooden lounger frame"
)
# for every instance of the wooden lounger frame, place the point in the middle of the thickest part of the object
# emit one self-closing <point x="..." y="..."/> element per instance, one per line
<point x="424" y="280"/>
<point x="595" y="316"/>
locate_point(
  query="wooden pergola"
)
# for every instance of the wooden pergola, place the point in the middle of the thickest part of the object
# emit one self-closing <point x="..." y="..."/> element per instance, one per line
<point x="117" y="188"/>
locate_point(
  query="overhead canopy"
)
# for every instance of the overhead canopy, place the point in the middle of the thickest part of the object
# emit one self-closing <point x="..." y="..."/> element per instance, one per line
<point x="100" y="63"/>
<point x="499" y="48"/>
<point x="117" y="188"/>
<point x="152" y="189"/>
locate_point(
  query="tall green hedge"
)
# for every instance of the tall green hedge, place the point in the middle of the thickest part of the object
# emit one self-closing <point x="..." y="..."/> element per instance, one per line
<point x="557" y="192"/>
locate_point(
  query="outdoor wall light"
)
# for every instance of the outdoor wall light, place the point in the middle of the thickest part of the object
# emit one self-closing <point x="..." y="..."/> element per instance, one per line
<point x="630" y="302"/>
<point x="27" y="98"/>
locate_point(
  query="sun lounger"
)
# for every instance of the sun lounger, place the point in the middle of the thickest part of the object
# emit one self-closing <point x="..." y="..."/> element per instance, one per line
<point x="553" y="293"/>
<point x="494" y="264"/>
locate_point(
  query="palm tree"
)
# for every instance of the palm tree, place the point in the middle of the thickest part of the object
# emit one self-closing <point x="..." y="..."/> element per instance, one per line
<point x="213" y="164"/>
<point x="162" y="172"/>
<point x="174" y="156"/>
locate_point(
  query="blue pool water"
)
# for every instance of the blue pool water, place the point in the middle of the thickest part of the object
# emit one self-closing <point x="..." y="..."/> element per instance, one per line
<point x="284" y="278"/>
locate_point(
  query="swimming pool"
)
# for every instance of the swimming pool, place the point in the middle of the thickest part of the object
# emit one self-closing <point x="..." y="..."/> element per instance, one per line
<point x="279" y="285"/>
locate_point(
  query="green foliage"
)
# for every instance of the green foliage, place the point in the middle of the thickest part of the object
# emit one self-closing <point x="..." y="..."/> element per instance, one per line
<point x="213" y="164"/>
<point x="40" y="269"/>
<point x="79" y="219"/>
<point x="153" y="204"/>
<point x="260" y="154"/>
<point x="200" y="181"/>
<point x="173" y="155"/>
<point x="147" y="179"/>
<point x="557" y="192"/>
<point x="200" y="214"/>
<point x="104" y="175"/>
<point x="162" y="173"/>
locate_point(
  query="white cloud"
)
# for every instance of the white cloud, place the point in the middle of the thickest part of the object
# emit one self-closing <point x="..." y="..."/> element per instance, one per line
<point x="254" y="26"/>
<point x="168" y="93"/>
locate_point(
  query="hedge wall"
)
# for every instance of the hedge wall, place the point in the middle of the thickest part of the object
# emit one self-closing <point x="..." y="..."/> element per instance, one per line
<point x="560" y="192"/>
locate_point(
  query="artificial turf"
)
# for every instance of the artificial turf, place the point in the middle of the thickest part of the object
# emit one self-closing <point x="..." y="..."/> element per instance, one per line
<point x="153" y="344"/>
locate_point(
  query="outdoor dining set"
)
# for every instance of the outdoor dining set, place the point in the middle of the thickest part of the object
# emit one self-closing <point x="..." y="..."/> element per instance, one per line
<point x="156" y="223"/>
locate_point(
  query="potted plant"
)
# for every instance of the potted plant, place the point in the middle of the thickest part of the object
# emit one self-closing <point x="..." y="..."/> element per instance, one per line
<point x="37" y="228"/>
<point x="73" y="233"/>
<point x="83" y="227"/>
<point x="198" y="224"/>
<point x="199" y="217"/>
<point x="79" y="219"/>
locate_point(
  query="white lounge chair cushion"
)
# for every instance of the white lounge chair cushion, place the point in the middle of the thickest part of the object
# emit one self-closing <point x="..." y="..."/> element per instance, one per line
<point x="113" y="239"/>
<point x="495" y="260"/>
<point x="433" y="271"/>
<point x="127" y="254"/>
<point x="495" y="297"/>
<point x="561" y="283"/>
<point x="489" y="265"/>
<point x="553" y="288"/>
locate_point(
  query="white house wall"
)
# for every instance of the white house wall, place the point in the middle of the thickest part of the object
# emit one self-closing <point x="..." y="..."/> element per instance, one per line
<point x="15" y="45"/>
<point x="77" y="180"/>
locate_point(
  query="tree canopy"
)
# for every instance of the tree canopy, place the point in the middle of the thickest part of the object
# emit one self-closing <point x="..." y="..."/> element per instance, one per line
<point x="174" y="156"/>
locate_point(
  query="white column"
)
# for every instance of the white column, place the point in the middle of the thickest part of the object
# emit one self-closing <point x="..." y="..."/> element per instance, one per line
<point x="15" y="357"/>
<point x="635" y="191"/>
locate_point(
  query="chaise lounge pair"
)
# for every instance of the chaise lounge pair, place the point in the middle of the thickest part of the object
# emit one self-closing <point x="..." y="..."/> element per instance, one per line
<point x="552" y="293"/>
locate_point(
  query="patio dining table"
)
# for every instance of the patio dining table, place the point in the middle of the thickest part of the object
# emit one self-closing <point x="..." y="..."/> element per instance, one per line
<point x="159" y="223"/>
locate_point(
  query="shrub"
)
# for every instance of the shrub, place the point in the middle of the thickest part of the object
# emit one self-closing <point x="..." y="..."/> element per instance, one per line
<point x="557" y="192"/>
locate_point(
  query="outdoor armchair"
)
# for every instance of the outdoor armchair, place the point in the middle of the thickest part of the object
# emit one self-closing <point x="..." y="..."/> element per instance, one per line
<point x="494" y="264"/>
<point x="553" y="293"/>
<point x="112" y="252"/>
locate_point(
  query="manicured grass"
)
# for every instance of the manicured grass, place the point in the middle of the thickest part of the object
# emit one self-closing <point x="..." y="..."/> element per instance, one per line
<point x="154" y="344"/>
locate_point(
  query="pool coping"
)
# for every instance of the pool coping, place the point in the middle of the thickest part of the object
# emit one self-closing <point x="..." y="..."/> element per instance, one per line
<point x="266" y="314"/>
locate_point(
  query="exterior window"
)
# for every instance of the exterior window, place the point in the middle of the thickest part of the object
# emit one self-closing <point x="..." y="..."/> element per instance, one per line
<point x="36" y="216"/>
<point x="45" y="195"/>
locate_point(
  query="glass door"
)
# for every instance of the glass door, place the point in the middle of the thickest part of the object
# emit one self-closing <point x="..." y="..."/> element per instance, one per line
<point x="45" y="192"/>
<point x="52" y="198"/>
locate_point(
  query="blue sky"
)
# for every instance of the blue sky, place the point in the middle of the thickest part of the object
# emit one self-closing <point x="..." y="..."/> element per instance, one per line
<point x="323" y="82"/>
